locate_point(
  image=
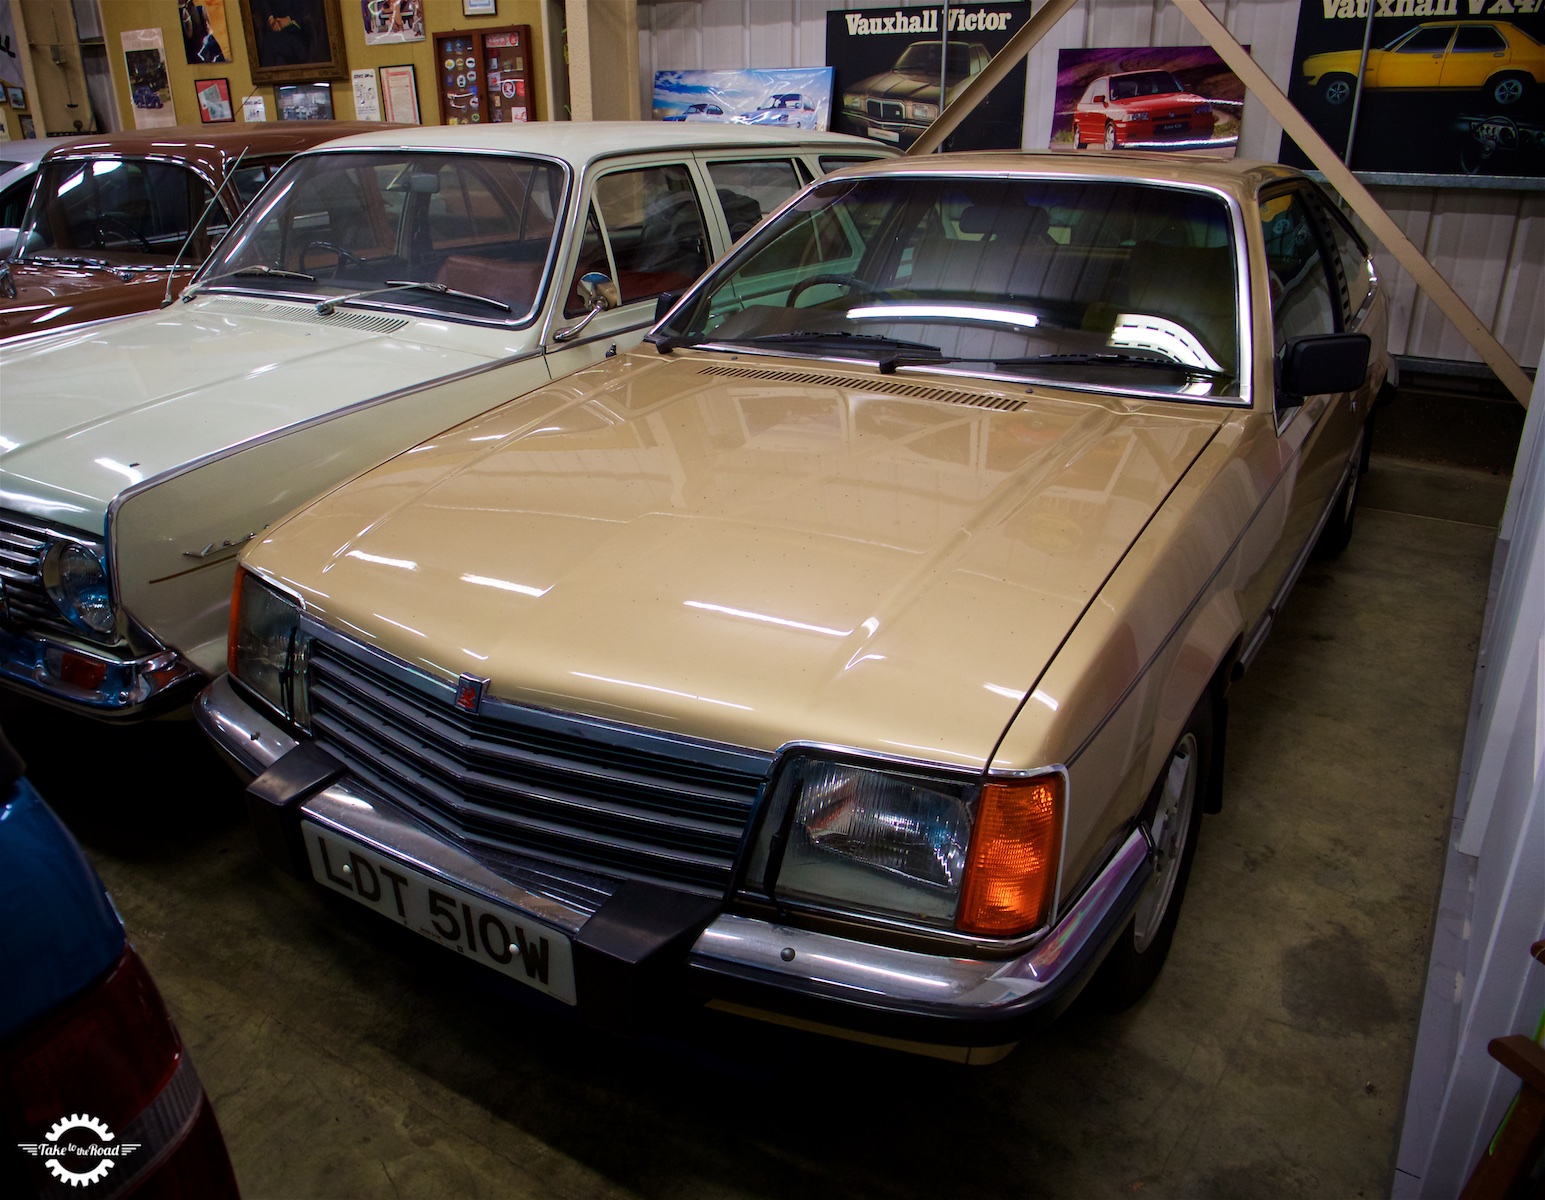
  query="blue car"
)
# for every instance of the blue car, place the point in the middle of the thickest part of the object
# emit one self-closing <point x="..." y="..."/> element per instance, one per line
<point x="96" y="1087"/>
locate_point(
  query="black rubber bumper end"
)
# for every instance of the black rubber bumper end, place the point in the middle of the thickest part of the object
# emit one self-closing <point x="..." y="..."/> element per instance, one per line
<point x="274" y="798"/>
<point x="629" y="955"/>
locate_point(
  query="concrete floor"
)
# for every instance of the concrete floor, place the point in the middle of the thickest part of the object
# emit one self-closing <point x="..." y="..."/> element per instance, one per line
<point x="348" y="1058"/>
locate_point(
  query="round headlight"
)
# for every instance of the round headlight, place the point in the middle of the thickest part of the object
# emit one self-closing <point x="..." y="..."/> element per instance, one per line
<point x="76" y="581"/>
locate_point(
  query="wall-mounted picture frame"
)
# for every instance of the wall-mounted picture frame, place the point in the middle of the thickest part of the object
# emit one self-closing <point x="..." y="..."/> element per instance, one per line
<point x="480" y="8"/>
<point x="304" y="101"/>
<point x="16" y="97"/>
<point x="399" y="95"/>
<point x="214" y="101"/>
<point x="293" y="41"/>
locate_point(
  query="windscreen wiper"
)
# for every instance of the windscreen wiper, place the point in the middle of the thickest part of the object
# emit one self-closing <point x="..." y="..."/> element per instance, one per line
<point x="67" y="260"/>
<point x="324" y="307"/>
<point x="256" y="269"/>
<point x="841" y="339"/>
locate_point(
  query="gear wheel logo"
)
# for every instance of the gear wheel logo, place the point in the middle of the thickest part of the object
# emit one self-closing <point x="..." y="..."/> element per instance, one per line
<point x="83" y="1158"/>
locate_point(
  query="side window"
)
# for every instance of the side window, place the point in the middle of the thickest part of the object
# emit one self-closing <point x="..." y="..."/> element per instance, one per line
<point x="1479" y="39"/>
<point x="248" y="179"/>
<point x="654" y="226"/>
<point x="1431" y="40"/>
<point x="835" y="162"/>
<point x="142" y="208"/>
<point x="13" y="202"/>
<point x="1297" y="275"/>
<point x="748" y="191"/>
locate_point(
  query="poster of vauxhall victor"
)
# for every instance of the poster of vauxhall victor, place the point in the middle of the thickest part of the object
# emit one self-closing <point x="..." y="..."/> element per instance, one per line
<point x="896" y="68"/>
<point x="1450" y="87"/>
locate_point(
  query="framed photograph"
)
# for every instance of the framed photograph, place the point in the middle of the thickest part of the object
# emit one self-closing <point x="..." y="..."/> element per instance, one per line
<point x="480" y="8"/>
<point x="16" y="97"/>
<point x="304" y="101"/>
<point x="399" y="95"/>
<point x="214" y="101"/>
<point x="293" y="40"/>
<point x="392" y="21"/>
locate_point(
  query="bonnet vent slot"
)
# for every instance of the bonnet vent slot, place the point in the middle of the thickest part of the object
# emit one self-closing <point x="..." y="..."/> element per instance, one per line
<point x="306" y="315"/>
<point x="888" y="387"/>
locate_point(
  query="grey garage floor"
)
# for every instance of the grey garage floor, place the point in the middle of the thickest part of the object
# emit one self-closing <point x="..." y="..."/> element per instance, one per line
<point x="346" y="1058"/>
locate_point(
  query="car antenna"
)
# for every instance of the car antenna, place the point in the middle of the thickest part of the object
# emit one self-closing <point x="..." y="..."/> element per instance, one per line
<point x="230" y="176"/>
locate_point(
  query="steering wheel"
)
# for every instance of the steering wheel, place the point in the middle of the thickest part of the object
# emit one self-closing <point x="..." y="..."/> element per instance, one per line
<point x="107" y="222"/>
<point x="847" y="281"/>
<point x="341" y="253"/>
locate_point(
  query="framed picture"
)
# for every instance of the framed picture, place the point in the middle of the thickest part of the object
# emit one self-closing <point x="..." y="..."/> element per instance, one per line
<point x="214" y="101"/>
<point x="293" y="40"/>
<point x="399" y="95"/>
<point x="480" y="8"/>
<point x="304" y="101"/>
<point x="16" y="97"/>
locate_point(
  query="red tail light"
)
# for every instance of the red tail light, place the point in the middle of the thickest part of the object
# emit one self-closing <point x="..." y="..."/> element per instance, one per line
<point x="112" y="1054"/>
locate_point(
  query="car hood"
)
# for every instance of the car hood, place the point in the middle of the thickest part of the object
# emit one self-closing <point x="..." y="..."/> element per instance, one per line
<point x="747" y="556"/>
<point x="1157" y="103"/>
<point x="50" y="297"/>
<point x="893" y="85"/>
<point x="88" y="412"/>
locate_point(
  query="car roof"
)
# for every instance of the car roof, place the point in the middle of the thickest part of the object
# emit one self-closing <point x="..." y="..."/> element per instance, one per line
<point x="213" y="149"/>
<point x="30" y="150"/>
<point x="1240" y="177"/>
<point x="581" y="142"/>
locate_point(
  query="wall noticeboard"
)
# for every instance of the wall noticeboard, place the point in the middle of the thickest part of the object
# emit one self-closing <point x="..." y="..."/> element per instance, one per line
<point x="484" y="75"/>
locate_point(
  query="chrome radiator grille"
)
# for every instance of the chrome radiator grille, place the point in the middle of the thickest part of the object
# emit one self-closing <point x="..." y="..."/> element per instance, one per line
<point x="611" y="799"/>
<point x="27" y="606"/>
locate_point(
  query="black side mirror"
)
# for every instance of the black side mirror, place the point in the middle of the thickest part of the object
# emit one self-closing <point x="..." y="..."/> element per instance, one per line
<point x="663" y="304"/>
<point x="1321" y="363"/>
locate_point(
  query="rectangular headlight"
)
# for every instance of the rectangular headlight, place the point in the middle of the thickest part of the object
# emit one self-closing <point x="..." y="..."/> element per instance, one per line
<point x="266" y="651"/>
<point x="939" y="850"/>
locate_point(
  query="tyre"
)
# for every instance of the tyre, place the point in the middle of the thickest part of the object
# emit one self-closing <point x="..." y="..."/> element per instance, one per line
<point x="1507" y="90"/>
<point x="1110" y="135"/>
<point x="1336" y="90"/>
<point x="1172" y="818"/>
<point x="1078" y="138"/>
<point x="1338" y="528"/>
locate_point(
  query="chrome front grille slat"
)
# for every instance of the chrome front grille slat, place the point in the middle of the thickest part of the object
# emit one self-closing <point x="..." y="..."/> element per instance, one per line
<point x="27" y="606"/>
<point x="606" y="798"/>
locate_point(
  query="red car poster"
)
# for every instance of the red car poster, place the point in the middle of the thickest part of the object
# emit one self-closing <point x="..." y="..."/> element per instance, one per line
<point x="1147" y="98"/>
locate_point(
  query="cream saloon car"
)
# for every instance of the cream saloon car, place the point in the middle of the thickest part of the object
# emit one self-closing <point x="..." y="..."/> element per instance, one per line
<point x="856" y="652"/>
<point x="138" y="456"/>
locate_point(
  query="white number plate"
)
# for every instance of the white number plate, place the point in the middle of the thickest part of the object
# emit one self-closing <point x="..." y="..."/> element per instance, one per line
<point x="502" y="938"/>
<point x="885" y="135"/>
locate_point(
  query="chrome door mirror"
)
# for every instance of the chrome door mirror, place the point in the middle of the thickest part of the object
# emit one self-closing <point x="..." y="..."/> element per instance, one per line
<point x="598" y="293"/>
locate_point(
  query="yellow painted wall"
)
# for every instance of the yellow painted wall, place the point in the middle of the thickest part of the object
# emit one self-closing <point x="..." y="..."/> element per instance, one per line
<point x="440" y="16"/>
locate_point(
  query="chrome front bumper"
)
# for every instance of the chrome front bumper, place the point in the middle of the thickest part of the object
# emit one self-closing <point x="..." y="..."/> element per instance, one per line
<point x="971" y="1009"/>
<point x="93" y="682"/>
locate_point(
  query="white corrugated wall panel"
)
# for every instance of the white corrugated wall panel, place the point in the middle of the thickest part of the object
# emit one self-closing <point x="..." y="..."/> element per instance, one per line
<point x="1489" y="245"/>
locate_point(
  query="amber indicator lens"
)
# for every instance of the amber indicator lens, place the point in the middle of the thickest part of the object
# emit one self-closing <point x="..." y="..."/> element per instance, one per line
<point x="1012" y="867"/>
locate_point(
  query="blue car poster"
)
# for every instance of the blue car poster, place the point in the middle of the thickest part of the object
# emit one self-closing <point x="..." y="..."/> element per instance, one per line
<point x="790" y="98"/>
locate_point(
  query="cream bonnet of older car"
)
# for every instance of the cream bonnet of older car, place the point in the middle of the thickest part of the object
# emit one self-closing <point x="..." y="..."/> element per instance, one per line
<point x="137" y="456"/>
<point x="856" y="652"/>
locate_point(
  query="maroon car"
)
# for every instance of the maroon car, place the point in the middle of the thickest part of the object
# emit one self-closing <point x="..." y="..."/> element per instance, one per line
<point x="110" y="216"/>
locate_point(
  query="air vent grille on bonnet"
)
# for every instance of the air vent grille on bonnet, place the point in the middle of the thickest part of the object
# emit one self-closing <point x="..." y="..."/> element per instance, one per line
<point x="888" y="387"/>
<point x="306" y="315"/>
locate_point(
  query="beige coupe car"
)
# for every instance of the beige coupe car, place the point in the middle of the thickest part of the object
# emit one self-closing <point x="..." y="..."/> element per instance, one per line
<point x="855" y="653"/>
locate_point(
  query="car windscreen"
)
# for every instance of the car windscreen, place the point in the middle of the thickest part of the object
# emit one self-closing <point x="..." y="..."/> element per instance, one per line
<point x="463" y="235"/>
<point x="922" y="58"/>
<point x="114" y="211"/>
<point x="1144" y="83"/>
<point x="1091" y="283"/>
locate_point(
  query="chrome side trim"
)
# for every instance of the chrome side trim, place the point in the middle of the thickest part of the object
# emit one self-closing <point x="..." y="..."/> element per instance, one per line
<point x="1258" y="638"/>
<point x="906" y="980"/>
